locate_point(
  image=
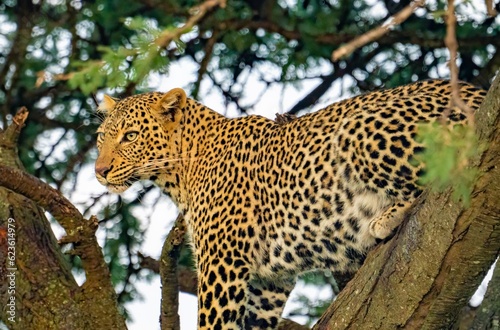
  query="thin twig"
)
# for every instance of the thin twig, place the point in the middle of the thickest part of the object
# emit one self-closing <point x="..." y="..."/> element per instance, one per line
<point x="73" y="161"/>
<point x="198" y="12"/>
<point x="452" y="45"/>
<point x="162" y="41"/>
<point x="378" y="32"/>
<point x="490" y="8"/>
<point x="204" y="62"/>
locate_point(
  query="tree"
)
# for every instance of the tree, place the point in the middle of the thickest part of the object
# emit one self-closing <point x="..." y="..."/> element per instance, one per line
<point x="55" y="54"/>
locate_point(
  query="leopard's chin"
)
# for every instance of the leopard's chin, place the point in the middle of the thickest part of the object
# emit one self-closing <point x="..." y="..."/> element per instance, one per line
<point x="114" y="188"/>
<point x="117" y="188"/>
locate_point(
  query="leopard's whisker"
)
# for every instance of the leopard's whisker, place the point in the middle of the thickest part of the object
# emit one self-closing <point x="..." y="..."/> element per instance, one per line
<point x="147" y="168"/>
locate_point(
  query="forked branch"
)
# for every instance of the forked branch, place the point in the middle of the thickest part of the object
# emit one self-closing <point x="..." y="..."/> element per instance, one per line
<point x="97" y="290"/>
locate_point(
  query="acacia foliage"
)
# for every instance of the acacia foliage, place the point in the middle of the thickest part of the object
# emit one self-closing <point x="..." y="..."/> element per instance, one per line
<point x="55" y="54"/>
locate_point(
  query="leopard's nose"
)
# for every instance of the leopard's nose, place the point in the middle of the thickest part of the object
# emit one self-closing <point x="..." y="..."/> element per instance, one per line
<point x="102" y="170"/>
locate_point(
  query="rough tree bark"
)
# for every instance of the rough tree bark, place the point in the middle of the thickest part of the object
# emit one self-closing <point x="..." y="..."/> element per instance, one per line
<point x="37" y="288"/>
<point x="423" y="277"/>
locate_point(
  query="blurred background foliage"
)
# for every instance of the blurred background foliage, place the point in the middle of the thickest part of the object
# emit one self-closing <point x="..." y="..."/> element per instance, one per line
<point x="54" y="54"/>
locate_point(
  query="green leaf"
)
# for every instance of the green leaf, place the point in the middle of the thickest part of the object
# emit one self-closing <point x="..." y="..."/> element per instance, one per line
<point x="447" y="158"/>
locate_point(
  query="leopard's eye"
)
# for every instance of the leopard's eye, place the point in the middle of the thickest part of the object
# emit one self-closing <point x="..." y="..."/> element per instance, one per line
<point x="100" y="136"/>
<point x="130" y="136"/>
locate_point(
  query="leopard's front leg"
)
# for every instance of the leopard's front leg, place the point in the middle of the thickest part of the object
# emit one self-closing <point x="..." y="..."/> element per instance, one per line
<point x="265" y="303"/>
<point x="223" y="287"/>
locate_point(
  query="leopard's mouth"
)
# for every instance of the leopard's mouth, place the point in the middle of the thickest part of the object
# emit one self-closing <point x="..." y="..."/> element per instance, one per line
<point x="116" y="188"/>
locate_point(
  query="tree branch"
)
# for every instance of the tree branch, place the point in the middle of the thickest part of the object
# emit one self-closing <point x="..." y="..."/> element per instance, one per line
<point x="490" y="8"/>
<point x="483" y="78"/>
<point x="186" y="277"/>
<point x="328" y="80"/>
<point x="97" y="292"/>
<point x="169" y="317"/>
<point x="198" y="13"/>
<point x="452" y="45"/>
<point x="204" y="62"/>
<point x="378" y="32"/>
<point x="73" y="161"/>
<point x="286" y="324"/>
<point x="317" y="92"/>
<point x="16" y="55"/>
<point x="392" y="37"/>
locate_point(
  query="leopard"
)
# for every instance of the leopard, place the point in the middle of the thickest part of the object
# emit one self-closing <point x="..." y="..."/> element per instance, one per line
<point x="266" y="201"/>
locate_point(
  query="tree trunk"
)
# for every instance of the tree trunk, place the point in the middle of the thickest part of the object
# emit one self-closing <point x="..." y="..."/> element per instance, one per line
<point x="423" y="277"/>
<point x="37" y="288"/>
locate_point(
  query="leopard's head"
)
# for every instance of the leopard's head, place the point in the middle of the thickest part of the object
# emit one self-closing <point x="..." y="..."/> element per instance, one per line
<point x="138" y="137"/>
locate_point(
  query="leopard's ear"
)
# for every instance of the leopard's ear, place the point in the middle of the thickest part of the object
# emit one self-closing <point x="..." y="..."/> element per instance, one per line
<point x="171" y="104"/>
<point x="107" y="104"/>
